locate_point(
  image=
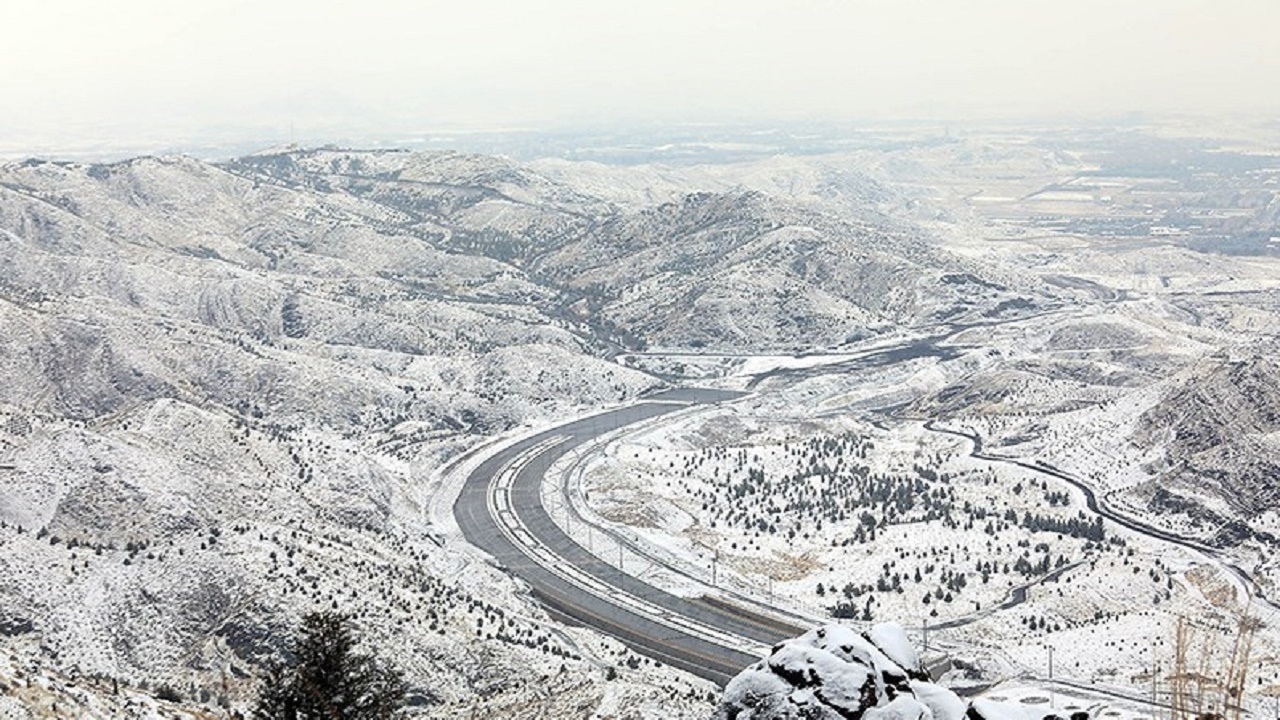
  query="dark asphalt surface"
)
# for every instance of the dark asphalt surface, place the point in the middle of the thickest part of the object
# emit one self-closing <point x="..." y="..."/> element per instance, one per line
<point x="710" y="660"/>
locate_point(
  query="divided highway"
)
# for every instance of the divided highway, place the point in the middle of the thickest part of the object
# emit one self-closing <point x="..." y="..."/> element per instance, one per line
<point x="500" y="511"/>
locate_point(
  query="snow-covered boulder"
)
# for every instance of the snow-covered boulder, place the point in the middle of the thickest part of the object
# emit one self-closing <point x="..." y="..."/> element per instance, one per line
<point x="891" y="639"/>
<point x="944" y="704"/>
<point x="835" y="672"/>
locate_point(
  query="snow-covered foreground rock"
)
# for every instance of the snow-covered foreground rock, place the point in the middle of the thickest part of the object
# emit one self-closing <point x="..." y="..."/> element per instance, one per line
<point x="836" y="673"/>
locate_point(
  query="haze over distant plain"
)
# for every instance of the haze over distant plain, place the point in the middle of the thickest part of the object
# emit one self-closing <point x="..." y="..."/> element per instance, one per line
<point x="137" y="65"/>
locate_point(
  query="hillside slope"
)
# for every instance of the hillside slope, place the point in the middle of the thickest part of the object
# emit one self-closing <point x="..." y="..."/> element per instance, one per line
<point x="1217" y="431"/>
<point x="230" y="390"/>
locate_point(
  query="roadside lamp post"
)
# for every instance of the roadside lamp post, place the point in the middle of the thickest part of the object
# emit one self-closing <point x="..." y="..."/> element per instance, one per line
<point x="715" y="555"/>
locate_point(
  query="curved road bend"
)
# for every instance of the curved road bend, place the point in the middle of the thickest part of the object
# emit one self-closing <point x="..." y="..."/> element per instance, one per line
<point x="717" y="661"/>
<point x="1095" y="505"/>
<point x="1090" y="499"/>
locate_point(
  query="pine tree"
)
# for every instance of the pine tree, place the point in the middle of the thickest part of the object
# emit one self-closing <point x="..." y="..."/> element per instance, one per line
<point x="328" y="680"/>
<point x="278" y="698"/>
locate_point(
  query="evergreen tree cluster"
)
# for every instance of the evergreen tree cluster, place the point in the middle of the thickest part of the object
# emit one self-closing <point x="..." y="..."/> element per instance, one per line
<point x="829" y="484"/>
<point x="327" y="679"/>
<point x="1077" y="527"/>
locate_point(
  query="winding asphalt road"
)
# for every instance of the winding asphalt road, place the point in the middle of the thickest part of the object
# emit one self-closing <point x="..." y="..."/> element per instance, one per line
<point x="1096" y="506"/>
<point x="1090" y="499"/>
<point x="666" y="627"/>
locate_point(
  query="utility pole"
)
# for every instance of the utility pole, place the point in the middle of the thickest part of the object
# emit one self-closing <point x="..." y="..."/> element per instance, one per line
<point x="1050" y="676"/>
<point x="926" y="634"/>
<point x="715" y="553"/>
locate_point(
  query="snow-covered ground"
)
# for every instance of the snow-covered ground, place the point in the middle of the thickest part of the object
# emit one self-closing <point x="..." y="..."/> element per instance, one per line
<point x="232" y="393"/>
<point x="760" y="485"/>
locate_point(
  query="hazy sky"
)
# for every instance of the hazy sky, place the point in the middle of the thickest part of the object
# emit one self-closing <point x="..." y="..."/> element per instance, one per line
<point x="135" y="64"/>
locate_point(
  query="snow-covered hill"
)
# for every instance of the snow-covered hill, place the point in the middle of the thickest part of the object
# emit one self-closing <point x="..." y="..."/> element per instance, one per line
<point x="1217" y="431"/>
<point x="742" y="271"/>
<point x="230" y="389"/>
<point x="227" y="401"/>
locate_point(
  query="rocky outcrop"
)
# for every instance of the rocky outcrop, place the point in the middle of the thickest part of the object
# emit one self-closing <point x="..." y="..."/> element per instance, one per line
<point x="836" y="673"/>
<point x="1216" y="431"/>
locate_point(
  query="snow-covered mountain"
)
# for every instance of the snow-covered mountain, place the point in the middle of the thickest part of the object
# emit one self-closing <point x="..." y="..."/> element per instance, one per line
<point x="225" y="403"/>
<point x="745" y="271"/>
<point x="732" y="268"/>
<point x="230" y="389"/>
<point x="233" y="391"/>
<point x="1216" y="431"/>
